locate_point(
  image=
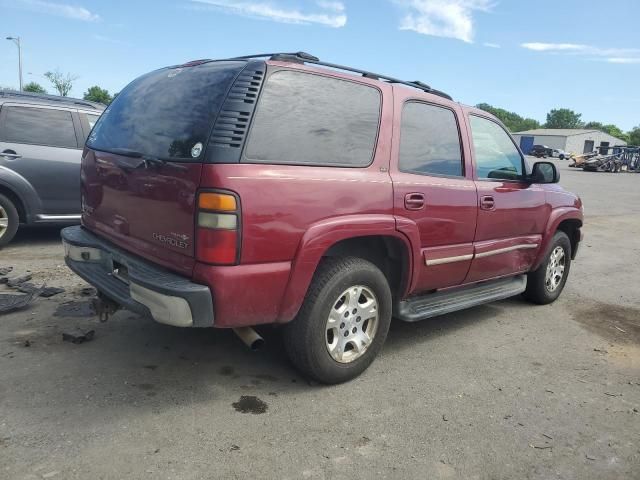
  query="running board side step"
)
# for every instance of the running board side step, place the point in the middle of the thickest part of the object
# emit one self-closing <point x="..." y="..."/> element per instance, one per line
<point x="447" y="301"/>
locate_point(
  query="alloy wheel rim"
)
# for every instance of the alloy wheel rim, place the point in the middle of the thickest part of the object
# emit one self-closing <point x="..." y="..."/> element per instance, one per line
<point x="4" y="221"/>
<point x="352" y="324"/>
<point x="555" y="269"/>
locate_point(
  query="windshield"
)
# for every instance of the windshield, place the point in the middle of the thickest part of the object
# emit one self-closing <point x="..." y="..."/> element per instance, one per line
<point x="167" y="113"/>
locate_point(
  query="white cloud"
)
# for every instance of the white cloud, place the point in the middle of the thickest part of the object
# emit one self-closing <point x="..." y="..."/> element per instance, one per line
<point x="623" y="60"/>
<point x="442" y="18"/>
<point x="491" y="45"/>
<point x="554" y="47"/>
<point x="611" y="55"/>
<point x="331" y="13"/>
<point x="61" y="10"/>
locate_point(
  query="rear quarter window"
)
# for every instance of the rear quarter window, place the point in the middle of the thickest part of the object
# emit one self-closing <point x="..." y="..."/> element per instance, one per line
<point x="308" y="119"/>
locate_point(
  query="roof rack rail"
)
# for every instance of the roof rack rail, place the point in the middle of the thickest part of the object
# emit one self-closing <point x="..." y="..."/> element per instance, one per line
<point x="50" y="98"/>
<point x="303" y="57"/>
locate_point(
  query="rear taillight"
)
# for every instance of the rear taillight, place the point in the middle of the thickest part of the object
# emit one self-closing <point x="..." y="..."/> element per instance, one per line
<point x="218" y="228"/>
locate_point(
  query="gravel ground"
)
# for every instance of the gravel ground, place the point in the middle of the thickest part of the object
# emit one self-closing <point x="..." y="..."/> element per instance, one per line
<point x="503" y="391"/>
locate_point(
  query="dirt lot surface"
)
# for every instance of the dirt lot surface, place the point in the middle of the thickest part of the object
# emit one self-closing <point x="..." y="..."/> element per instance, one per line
<point x="503" y="391"/>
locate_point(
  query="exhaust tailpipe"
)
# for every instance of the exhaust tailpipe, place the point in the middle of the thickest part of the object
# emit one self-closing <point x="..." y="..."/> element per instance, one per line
<point x="249" y="337"/>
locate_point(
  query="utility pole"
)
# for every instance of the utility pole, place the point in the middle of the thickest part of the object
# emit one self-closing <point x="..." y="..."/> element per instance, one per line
<point x="16" y="40"/>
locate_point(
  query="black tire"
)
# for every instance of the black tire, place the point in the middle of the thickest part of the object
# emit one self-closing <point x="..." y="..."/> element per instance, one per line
<point x="9" y="213"/>
<point x="537" y="290"/>
<point x="306" y="337"/>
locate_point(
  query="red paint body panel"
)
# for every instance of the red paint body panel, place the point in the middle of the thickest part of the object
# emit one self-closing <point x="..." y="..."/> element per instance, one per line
<point x="449" y="215"/>
<point x="508" y="262"/>
<point x="129" y="205"/>
<point x="448" y="274"/>
<point x="520" y="211"/>
<point x="318" y="239"/>
<point x="245" y="295"/>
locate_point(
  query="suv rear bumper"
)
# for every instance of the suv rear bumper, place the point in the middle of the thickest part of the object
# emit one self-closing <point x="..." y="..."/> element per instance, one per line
<point x="136" y="284"/>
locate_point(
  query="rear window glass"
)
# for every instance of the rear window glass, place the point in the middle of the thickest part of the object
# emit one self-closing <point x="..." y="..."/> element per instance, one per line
<point x="39" y="126"/>
<point x="310" y="119"/>
<point x="165" y="113"/>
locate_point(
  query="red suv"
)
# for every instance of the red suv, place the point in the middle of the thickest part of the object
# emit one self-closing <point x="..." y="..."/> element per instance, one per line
<point x="273" y="190"/>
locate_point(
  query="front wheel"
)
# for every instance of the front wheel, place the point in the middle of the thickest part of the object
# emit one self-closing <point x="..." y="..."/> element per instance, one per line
<point x="545" y="284"/>
<point x="343" y="321"/>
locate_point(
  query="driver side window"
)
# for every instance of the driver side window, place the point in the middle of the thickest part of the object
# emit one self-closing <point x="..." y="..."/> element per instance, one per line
<point x="495" y="154"/>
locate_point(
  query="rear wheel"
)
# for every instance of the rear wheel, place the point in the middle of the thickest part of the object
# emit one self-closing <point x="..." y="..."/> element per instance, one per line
<point x="8" y="220"/>
<point x="545" y="284"/>
<point x="343" y="321"/>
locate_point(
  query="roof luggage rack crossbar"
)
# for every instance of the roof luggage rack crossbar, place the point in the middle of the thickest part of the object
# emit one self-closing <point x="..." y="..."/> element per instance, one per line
<point x="49" y="98"/>
<point x="304" y="57"/>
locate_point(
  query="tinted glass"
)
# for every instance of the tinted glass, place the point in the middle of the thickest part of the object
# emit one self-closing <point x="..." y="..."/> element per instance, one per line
<point x="429" y="141"/>
<point x="165" y="113"/>
<point x="309" y="119"/>
<point x="39" y="126"/>
<point x="495" y="153"/>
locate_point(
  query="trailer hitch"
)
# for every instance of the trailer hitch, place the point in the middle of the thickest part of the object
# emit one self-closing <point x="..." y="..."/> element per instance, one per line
<point x="104" y="307"/>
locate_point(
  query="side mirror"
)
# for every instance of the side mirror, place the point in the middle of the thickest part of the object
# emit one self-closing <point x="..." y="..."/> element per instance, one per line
<point x="544" y="172"/>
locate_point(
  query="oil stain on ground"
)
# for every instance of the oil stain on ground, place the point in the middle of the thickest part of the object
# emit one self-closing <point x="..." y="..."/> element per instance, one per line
<point x="250" y="404"/>
<point x="613" y="322"/>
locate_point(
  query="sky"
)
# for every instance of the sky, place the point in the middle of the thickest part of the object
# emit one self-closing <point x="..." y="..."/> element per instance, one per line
<point x="524" y="56"/>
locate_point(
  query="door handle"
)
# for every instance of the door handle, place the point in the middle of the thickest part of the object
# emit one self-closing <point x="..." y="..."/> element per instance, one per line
<point x="10" y="154"/>
<point x="414" y="201"/>
<point x="487" y="202"/>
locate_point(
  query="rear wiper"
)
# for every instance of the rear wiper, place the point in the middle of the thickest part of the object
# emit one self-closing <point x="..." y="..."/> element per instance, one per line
<point x="146" y="159"/>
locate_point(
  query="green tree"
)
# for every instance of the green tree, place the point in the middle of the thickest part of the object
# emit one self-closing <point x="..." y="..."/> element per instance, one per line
<point x="611" y="129"/>
<point x="528" y="124"/>
<point x="615" y="131"/>
<point x="512" y="120"/>
<point x="634" y="136"/>
<point x="563" y="118"/>
<point x="61" y="82"/>
<point x="594" y="126"/>
<point x="97" y="94"/>
<point x="34" y="87"/>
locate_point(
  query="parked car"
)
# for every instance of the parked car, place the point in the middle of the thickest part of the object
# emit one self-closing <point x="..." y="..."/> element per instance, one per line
<point x="41" y="140"/>
<point x="541" y="151"/>
<point x="315" y="199"/>
<point x="559" y="153"/>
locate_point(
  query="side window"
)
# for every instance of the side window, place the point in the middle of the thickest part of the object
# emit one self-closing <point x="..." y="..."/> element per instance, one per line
<point x="429" y="141"/>
<point x="39" y="126"/>
<point x="496" y="155"/>
<point x="309" y="119"/>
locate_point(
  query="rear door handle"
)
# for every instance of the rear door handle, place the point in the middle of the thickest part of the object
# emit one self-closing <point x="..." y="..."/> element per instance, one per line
<point x="414" y="201"/>
<point x="487" y="202"/>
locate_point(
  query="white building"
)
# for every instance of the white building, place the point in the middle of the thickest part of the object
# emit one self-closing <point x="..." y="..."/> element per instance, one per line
<point x="569" y="140"/>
